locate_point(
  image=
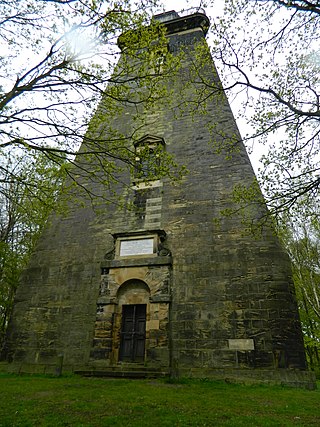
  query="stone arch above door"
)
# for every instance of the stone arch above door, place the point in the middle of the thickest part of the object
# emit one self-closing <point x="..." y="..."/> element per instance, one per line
<point x="127" y="283"/>
<point x="133" y="291"/>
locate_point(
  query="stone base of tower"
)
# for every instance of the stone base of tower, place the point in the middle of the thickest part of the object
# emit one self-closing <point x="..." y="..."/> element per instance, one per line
<point x="283" y="377"/>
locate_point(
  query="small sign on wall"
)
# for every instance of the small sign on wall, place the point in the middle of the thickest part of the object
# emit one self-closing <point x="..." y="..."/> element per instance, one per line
<point x="241" y="344"/>
<point x="136" y="247"/>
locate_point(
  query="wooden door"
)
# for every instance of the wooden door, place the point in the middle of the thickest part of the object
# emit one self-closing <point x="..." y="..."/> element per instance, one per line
<point x="133" y="332"/>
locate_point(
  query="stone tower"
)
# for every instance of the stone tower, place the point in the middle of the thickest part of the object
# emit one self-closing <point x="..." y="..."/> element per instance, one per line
<point x="165" y="287"/>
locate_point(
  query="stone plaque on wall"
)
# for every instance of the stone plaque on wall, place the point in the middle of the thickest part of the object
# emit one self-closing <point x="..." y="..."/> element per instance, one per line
<point x="241" y="344"/>
<point x="136" y="247"/>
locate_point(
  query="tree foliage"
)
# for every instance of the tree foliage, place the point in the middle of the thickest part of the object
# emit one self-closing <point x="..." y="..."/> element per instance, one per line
<point x="58" y="64"/>
<point x="26" y="202"/>
<point x="268" y="54"/>
<point x="302" y="240"/>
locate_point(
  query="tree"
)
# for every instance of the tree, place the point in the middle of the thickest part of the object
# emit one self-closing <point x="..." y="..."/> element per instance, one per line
<point x="26" y="202"/>
<point x="302" y="240"/>
<point x="268" y="54"/>
<point x="59" y="63"/>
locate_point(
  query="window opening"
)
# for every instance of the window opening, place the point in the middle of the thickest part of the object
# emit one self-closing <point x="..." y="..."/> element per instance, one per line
<point x="149" y="152"/>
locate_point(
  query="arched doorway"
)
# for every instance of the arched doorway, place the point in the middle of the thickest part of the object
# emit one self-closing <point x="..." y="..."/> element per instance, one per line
<point x="133" y="308"/>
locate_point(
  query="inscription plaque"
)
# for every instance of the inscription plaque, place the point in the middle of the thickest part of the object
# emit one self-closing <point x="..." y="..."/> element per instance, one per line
<point x="241" y="344"/>
<point x="136" y="247"/>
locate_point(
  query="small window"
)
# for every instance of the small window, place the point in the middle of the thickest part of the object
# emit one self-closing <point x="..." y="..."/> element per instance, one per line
<point x="148" y="165"/>
<point x="158" y="57"/>
<point x="149" y="152"/>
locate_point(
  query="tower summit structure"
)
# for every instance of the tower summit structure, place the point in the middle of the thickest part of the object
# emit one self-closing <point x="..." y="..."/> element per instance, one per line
<point x="169" y="285"/>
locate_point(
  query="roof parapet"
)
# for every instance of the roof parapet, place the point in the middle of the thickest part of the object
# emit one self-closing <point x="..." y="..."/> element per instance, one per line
<point x="184" y="20"/>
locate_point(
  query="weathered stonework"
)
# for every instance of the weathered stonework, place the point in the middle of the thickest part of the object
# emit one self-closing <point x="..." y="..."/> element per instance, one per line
<point x="218" y="302"/>
<point x="129" y="283"/>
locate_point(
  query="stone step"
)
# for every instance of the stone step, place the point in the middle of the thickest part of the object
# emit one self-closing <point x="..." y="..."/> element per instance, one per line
<point x="122" y="373"/>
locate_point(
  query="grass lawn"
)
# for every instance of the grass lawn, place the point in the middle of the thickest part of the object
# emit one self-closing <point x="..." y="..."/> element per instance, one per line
<point x="75" y="401"/>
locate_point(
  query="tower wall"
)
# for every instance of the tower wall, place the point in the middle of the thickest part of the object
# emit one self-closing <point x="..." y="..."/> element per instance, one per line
<point x="217" y="297"/>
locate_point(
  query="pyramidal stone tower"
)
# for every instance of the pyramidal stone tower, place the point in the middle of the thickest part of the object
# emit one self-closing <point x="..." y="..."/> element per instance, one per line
<point x="170" y="285"/>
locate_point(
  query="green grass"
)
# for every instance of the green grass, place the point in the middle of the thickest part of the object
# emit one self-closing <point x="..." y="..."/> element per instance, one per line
<point x="75" y="401"/>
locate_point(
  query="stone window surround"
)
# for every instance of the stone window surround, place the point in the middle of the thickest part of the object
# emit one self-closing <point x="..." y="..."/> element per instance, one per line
<point x="151" y="143"/>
